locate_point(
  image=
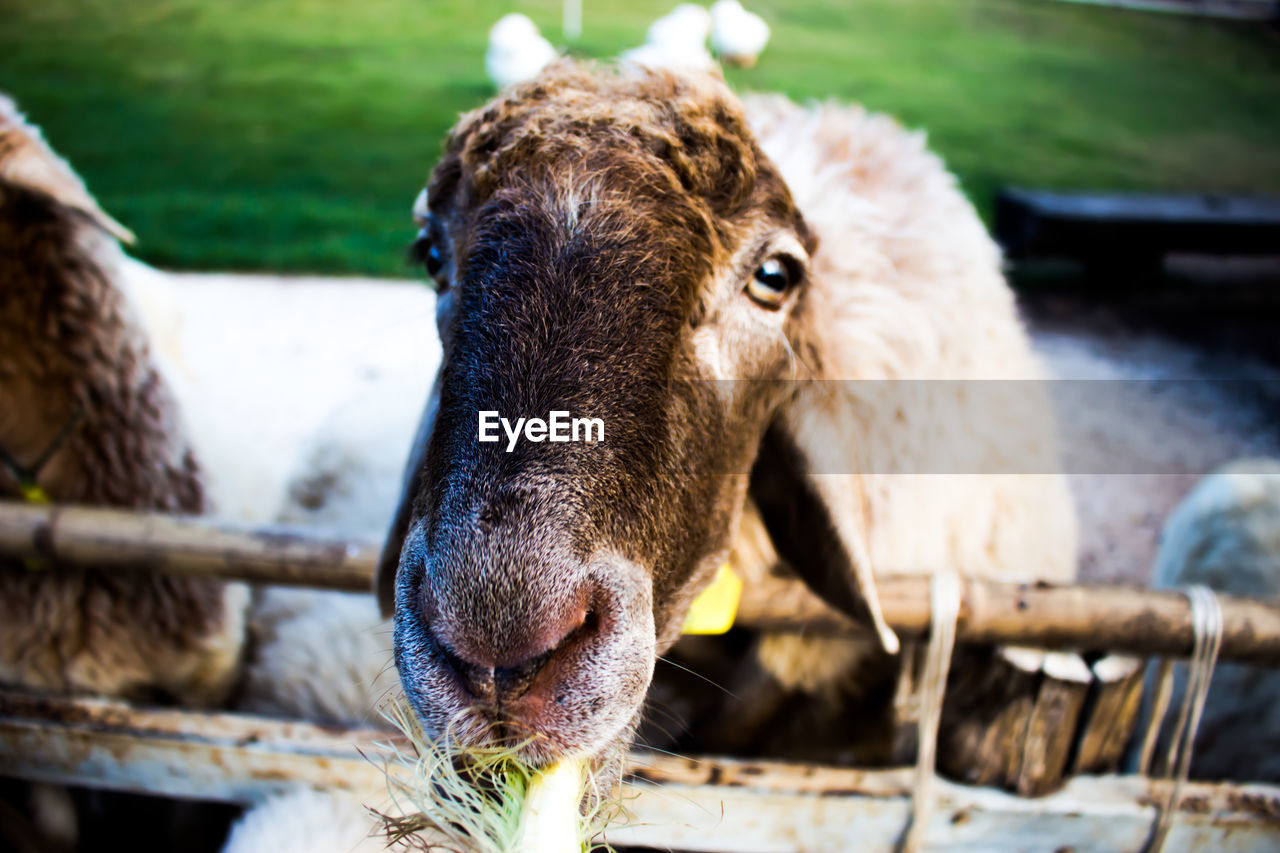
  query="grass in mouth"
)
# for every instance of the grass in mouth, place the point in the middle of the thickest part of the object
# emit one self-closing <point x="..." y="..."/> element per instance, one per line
<point x="485" y="799"/>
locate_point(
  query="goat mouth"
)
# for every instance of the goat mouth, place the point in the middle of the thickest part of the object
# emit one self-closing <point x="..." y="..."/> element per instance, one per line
<point x="571" y="723"/>
<point x="483" y="731"/>
<point x="561" y="713"/>
<point x="577" y="697"/>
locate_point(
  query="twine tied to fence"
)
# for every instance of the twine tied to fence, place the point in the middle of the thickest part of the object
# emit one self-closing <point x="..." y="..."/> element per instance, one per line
<point x="944" y="614"/>
<point x="1206" y="626"/>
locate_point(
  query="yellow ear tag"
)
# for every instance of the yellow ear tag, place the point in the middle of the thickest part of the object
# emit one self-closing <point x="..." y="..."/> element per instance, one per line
<point x="713" y="611"/>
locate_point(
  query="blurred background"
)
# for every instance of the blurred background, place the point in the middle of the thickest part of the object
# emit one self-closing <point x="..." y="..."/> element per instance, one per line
<point x="292" y="135"/>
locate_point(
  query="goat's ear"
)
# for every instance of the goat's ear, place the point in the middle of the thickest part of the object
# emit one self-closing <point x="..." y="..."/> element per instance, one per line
<point x="27" y="161"/>
<point x="815" y="512"/>
<point x="384" y="581"/>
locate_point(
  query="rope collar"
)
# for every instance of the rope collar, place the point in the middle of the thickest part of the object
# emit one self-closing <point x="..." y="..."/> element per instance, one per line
<point x="28" y="476"/>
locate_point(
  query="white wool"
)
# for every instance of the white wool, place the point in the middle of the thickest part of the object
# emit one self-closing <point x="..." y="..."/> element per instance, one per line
<point x="327" y="655"/>
<point x="687" y="25"/>
<point x="657" y="56"/>
<point x="304" y="820"/>
<point x="511" y="29"/>
<point x="319" y="656"/>
<point x="150" y="292"/>
<point x="263" y="363"/>
<point x="516" y="52"/>
<point x="307" y="821"/>
<point x="304" y="396"/>
<point x="904" y="255"/>
<point x="348" y="478"/>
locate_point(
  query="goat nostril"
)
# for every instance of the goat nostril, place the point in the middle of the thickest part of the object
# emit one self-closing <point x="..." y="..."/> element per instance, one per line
<point x="494" y="684"/>
<point x="514" y="680"/>
<point x="478" y="679"/>
<point x="524" y="656"/>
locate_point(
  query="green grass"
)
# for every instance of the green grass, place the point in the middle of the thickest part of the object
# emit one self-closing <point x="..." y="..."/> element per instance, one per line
<point x="292" y="135"/>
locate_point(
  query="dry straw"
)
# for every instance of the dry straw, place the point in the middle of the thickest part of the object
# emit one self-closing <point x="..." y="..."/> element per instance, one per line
<point x="484" y="799"/>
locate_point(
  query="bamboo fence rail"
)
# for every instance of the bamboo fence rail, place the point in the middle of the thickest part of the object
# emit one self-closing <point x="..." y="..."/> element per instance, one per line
<point x="1082" y="618"/>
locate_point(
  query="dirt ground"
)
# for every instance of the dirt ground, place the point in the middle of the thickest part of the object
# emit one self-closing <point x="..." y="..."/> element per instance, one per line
<point x="1157" y="413"/>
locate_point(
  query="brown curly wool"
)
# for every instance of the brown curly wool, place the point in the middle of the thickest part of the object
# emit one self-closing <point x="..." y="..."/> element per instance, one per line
<point x="678" y="143"/>
<point x="74" y="357"/>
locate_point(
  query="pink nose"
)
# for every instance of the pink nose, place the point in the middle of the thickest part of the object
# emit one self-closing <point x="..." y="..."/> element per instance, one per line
<point x="498" y="671"/>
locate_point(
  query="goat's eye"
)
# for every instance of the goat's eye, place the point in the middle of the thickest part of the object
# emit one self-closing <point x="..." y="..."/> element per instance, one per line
<point x="771" y="282"/>
<point x="427" y="252"/>
<point x="433" y="261"/>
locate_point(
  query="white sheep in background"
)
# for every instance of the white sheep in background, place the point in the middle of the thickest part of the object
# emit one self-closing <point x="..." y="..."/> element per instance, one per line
<point x="323" y="657"/>
<point x="306" y="821"/>
<point x="677" y="40"/>
<point x="737" y="36"/>
<point x="326" y="656"/>
<point x="517" y="51"/>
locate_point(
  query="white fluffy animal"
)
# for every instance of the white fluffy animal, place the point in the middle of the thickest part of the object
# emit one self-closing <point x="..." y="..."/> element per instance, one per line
<point x="306" y="821"/>
<point x="326" y="656"/>
<point x="677" y="40"/>
<point x="737" y="36"/>
<point x="874" y="189"/>
<point x="517" y="51"/>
